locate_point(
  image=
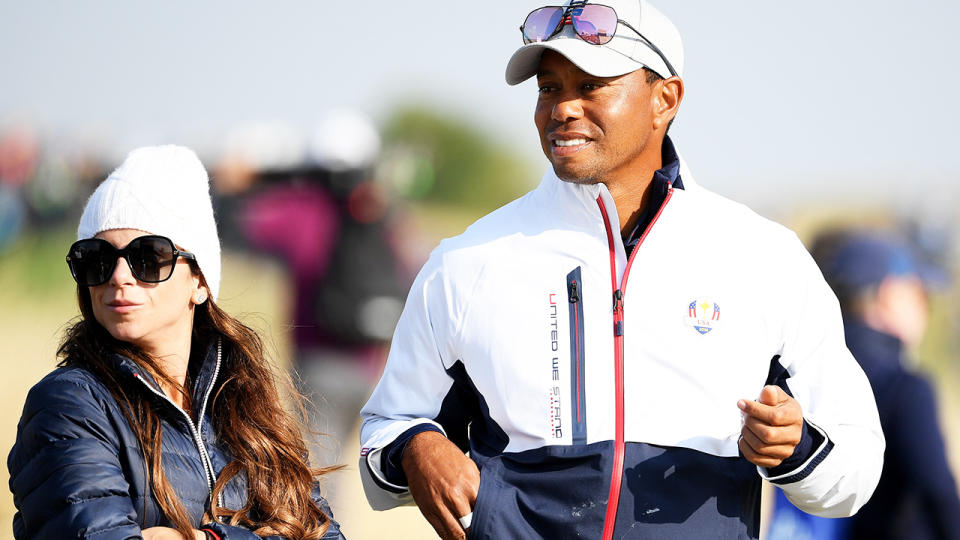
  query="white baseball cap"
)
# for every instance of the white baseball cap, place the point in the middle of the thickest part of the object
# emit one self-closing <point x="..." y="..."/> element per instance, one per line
<point x="343" y="140"/>
<point x="625" y="53"/>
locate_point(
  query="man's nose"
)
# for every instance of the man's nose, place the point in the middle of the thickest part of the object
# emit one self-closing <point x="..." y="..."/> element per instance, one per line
<point x="567" y="108"/>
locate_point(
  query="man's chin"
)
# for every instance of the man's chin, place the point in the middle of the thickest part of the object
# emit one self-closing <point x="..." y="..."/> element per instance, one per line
<point x="574" y="176"/>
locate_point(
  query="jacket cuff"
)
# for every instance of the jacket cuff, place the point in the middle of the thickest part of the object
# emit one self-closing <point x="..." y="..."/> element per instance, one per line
<point x="228" y="532"/>
<point x="210" y="533"/>
<point x="813" y="448"/>
<point x="392" y="454"/>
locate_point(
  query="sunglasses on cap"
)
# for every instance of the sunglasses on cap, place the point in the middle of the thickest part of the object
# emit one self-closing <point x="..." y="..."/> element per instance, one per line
<point x="151" y="258"/>
<point x="594" y="23"/>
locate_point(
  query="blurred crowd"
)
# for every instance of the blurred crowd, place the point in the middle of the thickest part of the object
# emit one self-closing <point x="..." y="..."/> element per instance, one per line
<point x="42" y="184"/>
<point x="323" y="207"/>
<point x="45" y="180"/>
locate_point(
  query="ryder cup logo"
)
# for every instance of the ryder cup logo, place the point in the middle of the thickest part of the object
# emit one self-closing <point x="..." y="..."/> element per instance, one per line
<point x="703" y="315"/>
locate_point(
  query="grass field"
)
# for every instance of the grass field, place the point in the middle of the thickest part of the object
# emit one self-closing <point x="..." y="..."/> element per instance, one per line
<point x="37" y="300"/>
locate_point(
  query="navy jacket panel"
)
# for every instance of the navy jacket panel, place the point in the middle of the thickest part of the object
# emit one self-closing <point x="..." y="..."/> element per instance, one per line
<point x="76" y="469"/>
<point x="548" y="492"/>
<point x="679" y="493"/>
<point x="667" y="493"/>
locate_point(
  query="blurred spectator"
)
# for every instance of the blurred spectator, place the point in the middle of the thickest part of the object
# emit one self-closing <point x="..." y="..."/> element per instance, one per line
<point x="882" y="285"/>
<point x="251" y="152"/>
<point x="11" y="215"/>
<point x="322" y="213"/>
<point x="62" y="182"/>
<point x="43" y="184"/>
<point x="19" y="153"/>
<point x="18" y="159"/>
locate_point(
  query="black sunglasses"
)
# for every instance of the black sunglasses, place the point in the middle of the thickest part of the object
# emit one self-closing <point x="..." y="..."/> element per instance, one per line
<point x="594" y="23"/>
<point x="151" y="258"/>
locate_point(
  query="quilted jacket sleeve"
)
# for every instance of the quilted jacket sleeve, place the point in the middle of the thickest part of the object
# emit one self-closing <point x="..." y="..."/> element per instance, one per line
<point x="65" y="474"/>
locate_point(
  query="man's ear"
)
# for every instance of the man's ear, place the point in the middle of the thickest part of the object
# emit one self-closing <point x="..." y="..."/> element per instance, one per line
<point x="667" y="93"/>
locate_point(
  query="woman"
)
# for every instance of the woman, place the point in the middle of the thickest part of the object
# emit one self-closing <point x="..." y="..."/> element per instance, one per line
<point x="163" y="420"/>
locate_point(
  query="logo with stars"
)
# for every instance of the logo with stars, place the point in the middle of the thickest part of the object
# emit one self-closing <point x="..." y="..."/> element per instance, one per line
<point x="703" y="315"/>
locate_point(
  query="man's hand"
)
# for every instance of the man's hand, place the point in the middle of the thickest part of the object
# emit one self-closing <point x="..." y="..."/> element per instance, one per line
<point x="443" y="482"/>
<point x="772" y="427"/>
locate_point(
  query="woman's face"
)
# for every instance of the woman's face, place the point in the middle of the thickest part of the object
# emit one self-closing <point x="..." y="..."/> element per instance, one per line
<point x="151" y="316"/>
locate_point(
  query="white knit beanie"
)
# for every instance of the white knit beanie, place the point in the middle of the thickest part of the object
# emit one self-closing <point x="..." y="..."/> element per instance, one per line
<point x="161" y="190"/>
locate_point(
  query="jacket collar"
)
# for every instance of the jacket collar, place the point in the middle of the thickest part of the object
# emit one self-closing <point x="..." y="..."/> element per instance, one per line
<point x="577" y="203"/>
<point x="668" y="176"/>
<point x="574" y="206"/>
<point x="674" y="170"/>
<point x="669" y="172"/>
<point x="204" y="376"/>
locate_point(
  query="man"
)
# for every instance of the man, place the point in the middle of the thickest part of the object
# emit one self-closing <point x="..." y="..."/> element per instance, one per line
<point x="882" y="286"/>
<point x="595" y="409"/>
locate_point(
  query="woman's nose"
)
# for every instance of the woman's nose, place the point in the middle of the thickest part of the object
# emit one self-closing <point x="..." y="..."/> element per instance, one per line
<point x="122" y="275"/>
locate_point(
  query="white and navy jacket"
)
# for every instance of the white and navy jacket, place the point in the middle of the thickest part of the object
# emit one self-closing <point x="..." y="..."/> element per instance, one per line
<point x="598" y="393"/>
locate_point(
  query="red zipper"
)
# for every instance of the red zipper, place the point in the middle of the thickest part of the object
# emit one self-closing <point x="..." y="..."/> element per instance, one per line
<point x="616" y="477"/>
<point x="576" y="316"/>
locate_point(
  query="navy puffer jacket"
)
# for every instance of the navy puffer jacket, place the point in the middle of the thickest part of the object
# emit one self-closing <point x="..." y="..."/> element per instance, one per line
<point x="76" y="470"/>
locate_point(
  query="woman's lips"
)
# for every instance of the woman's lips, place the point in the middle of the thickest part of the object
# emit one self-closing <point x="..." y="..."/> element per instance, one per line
<point x="123" y="306"/>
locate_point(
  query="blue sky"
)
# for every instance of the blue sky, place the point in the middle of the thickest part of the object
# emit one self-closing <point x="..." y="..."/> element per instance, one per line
<point x="814" y="99"/>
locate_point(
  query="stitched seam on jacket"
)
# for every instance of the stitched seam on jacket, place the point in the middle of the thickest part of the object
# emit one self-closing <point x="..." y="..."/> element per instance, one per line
<point x="95" y="497"/>
<point x="108" y="529"/>
<point x="93" y="387"/>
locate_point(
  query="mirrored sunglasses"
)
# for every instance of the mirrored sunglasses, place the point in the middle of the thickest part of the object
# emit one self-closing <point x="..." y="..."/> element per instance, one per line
<point x="594" y="23"/>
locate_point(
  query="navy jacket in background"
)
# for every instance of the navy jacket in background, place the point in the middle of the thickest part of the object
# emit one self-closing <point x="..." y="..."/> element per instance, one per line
<point x="76" y="470"/>
<point x="916" y="498"/>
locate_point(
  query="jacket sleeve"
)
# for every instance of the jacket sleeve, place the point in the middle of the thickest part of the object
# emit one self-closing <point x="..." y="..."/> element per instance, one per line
<point x="65" y="475"/>
<point x="837" y="401"/>
<point x="414" y="384"/>
<point x="230" y="532"/>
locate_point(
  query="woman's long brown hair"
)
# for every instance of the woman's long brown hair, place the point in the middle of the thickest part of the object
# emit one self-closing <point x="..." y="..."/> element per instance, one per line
<point x="263" y="438"/>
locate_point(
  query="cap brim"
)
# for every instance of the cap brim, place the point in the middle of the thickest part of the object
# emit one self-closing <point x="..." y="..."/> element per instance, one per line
<point x="596" y="60"/>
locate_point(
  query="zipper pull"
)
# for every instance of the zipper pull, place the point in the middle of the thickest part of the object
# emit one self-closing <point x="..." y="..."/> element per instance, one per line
<point x="617" y="313"/>
<point x="574" y="293"/>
